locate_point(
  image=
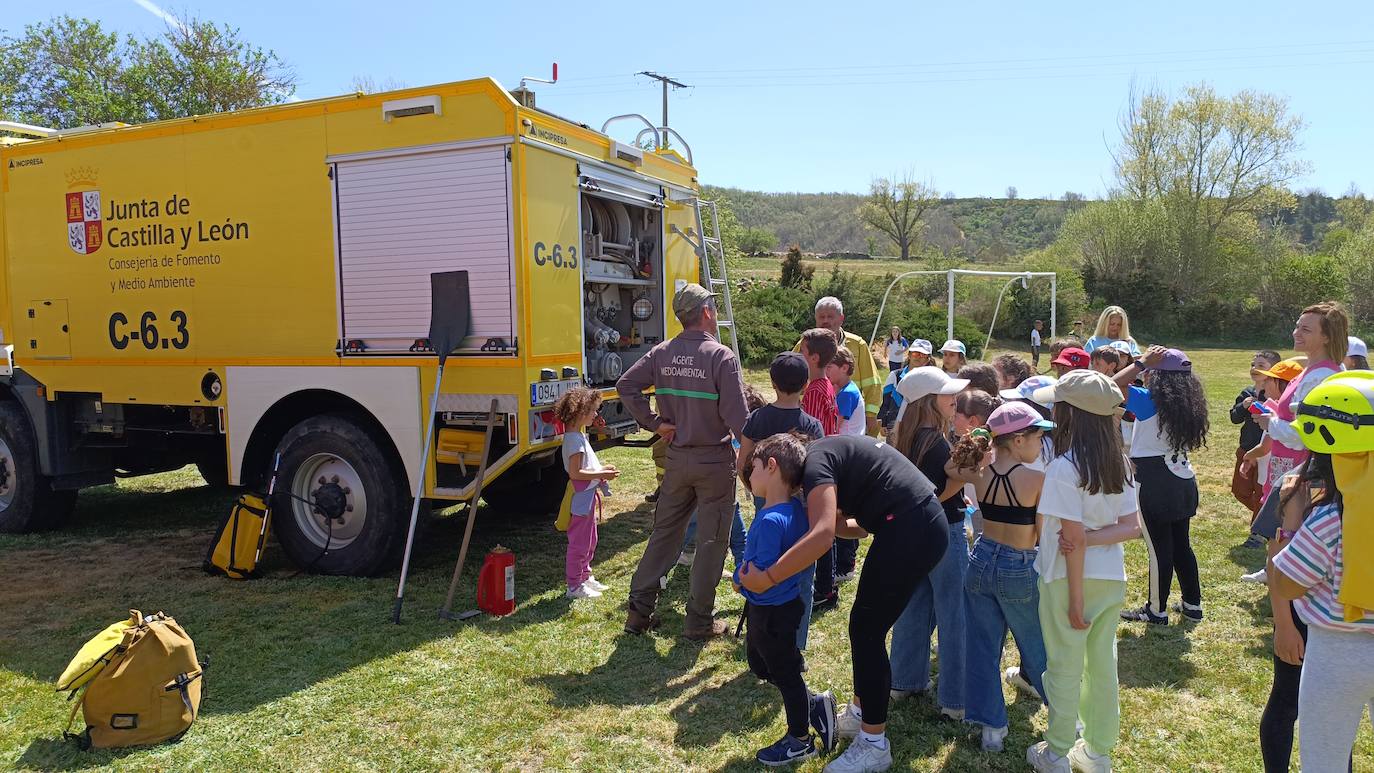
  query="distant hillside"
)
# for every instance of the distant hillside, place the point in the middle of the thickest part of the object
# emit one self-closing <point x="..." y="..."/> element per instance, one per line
<point x="987" y="230"/>
<point x="982" y="229"/>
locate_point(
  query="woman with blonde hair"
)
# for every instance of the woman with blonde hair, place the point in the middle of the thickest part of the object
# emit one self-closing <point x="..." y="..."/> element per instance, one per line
<point x="1112" y="325"/>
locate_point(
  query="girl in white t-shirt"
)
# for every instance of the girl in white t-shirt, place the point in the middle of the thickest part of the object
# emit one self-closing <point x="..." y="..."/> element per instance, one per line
<point x="1088" y="508"/>
<point x="577" y="409"/>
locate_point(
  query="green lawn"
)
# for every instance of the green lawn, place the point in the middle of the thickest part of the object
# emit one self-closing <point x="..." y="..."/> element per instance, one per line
<point x="307" y="673"/>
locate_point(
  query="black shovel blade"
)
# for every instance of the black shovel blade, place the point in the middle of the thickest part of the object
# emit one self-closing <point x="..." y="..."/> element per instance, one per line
<point x="450" y="312"/>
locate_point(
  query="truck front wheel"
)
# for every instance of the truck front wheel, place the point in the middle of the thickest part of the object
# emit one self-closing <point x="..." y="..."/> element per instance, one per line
<point x="341" y="504"/>
<point x="27" y="499"/>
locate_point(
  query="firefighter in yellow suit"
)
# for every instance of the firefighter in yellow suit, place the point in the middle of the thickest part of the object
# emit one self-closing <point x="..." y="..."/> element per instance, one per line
<point x="830" y="315"/>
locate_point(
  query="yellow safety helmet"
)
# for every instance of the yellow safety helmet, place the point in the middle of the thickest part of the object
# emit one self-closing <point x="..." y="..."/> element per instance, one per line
<point x="1337" y="416"/>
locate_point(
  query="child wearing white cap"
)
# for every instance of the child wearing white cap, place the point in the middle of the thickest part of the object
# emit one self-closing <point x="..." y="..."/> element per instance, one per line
<point x="953" y="356"/>
<point x="1357" y="355"/>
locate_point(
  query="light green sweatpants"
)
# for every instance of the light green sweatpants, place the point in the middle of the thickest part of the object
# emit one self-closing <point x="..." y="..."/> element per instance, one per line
<point x="1080" y="675"/>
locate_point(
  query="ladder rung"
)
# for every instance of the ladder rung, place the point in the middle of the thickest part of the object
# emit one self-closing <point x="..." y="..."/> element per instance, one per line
<point x="725" y="323"/>
<point x="720" y="282"/>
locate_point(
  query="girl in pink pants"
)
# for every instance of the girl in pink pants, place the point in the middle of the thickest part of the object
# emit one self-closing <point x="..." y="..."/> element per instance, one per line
<point x="577" y="409"/>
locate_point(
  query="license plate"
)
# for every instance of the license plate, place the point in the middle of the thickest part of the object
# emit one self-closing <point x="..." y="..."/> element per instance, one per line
<point x="547" y="392"/>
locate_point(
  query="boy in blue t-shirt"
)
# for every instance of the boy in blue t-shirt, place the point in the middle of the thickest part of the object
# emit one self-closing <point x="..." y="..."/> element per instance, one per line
<point x="774" y="473"/>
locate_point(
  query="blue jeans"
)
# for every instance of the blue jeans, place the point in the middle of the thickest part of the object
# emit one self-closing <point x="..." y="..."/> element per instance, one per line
<point x="737" y="535"/>
<point x="1002" y="594"/>
<point x="938" y="601"/>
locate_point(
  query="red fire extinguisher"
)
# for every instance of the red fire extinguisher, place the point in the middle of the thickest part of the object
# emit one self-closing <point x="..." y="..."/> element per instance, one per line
<point x="496" y="582"/>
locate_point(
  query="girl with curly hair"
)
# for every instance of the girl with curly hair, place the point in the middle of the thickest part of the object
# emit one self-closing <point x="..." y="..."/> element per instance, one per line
<point x="1171" y="422"/>
<point x="579" y="408"/>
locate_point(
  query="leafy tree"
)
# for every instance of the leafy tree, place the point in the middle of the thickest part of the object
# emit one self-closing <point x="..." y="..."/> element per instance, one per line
<point x="756" y="241"/>
<point x="1208" y="156"/>
<point x="1011" y="191"/>
<point x="896" y="209"/>
<point x="70" y="72"/>
<point x="1356" y="258"/>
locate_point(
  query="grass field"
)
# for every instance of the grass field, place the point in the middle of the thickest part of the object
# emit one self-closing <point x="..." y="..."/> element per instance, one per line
<point x="307" y="673"/>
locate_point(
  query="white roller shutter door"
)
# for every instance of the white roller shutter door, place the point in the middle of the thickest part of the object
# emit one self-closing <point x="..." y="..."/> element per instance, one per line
<point x="402" y="218"/>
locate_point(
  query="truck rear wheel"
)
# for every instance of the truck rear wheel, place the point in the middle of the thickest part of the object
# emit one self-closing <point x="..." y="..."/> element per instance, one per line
<point x="528" y="490"/>
<point x="27" y="499"/>
<point x="342" y="504"/>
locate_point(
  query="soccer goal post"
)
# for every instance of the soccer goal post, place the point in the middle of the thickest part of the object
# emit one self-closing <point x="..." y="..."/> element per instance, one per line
<point x="952" y="274"/>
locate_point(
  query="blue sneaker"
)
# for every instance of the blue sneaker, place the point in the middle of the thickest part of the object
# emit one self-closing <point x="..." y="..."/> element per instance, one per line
<point x="823" y="719"/>
<point x="787" y="751"/>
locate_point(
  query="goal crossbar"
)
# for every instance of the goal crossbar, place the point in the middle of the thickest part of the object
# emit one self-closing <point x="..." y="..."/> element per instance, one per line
<point x="951" y="274"/>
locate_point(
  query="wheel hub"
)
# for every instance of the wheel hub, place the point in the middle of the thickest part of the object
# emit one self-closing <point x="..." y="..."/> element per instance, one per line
<point x="331" y="499"/>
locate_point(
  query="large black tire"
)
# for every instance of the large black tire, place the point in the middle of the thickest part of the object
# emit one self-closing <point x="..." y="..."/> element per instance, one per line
<point x="27" y="499"/>
<point x="214" y="471"/>
<point x="370" y="493"/>
<point x="528" y="490"/>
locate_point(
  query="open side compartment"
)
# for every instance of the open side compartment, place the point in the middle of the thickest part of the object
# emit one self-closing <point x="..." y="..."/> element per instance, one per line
<point x="623" y="313"/>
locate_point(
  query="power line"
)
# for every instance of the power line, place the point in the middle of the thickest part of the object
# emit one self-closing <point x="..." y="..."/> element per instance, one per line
<point x="666" y="82"/>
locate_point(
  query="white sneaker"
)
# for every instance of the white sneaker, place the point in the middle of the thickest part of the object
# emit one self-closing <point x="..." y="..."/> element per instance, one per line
<point x="993" y="738"/>
<point x="862" y="757"/>
<point x="1044" y="760"/>
<point x="1258" y="578"/>
<point x="847" y="576"/>
<point x="847" y="723"/>
<point x="901" y="695"/>
<point x="686" y="558"/>
<point x="1082" y="760"/>
<point x="583" y="591"/>
<point x="596" y="585"/>
<point x="1015" y="678"/>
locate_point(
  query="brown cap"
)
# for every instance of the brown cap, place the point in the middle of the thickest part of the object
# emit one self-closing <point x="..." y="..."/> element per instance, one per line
<point x="1086" y="389"/>
<point x="690" y="298"/>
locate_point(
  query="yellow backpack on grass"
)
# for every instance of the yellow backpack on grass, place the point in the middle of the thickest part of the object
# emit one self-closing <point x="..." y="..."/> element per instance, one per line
<point x="141" y="680"/>
<point x="237" y="546"/>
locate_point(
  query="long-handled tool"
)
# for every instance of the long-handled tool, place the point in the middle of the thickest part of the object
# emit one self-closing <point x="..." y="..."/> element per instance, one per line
<point x="449" y="315"/>
<point x="267" y="516"/>
<point x="446" y="613"/>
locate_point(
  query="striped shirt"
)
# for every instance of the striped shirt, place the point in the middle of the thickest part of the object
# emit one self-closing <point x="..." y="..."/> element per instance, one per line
<point x="1315" y="559"/>
<point x="819" y="401"/>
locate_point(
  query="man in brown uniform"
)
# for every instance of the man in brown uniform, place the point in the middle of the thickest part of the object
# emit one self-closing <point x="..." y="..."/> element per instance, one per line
<point x="700" y="399"/>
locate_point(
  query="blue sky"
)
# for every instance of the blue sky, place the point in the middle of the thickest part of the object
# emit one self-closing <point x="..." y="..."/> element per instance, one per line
<point x="808" y="96"/>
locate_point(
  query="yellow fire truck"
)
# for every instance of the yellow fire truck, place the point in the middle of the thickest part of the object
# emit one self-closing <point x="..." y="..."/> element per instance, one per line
<point x="224" y="289"/>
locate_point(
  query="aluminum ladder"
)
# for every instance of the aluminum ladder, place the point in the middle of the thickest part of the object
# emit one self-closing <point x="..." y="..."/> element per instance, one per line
<point x="715" y="277"/>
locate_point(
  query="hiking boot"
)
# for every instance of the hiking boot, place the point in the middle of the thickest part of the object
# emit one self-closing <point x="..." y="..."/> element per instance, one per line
<point x="1190" y="612"/>
<point x="716" y="629"/>
<point x="1044" y="760"/>
<point x="1082" y="759"/>
<point x="637" y="623"/>
<point x="822" y="716"/>
<point x="1253" y="541"/>
<point x="1144" y="615"/>
<point x="786" y="751"/>
<point x="651" y="497"/>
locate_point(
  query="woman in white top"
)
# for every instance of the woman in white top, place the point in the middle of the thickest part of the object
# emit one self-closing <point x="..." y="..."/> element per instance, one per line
<point x="895" y="345"/>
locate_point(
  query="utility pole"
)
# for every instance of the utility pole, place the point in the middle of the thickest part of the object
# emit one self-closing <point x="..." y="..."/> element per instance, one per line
<point x="666" y="81"/>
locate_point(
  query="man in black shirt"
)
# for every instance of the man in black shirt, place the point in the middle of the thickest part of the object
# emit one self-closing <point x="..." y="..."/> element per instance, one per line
<point x="856" y="487"/>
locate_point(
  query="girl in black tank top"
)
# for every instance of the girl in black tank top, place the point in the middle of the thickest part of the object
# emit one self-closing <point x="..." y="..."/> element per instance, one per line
<point x="1001" y="591"/>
